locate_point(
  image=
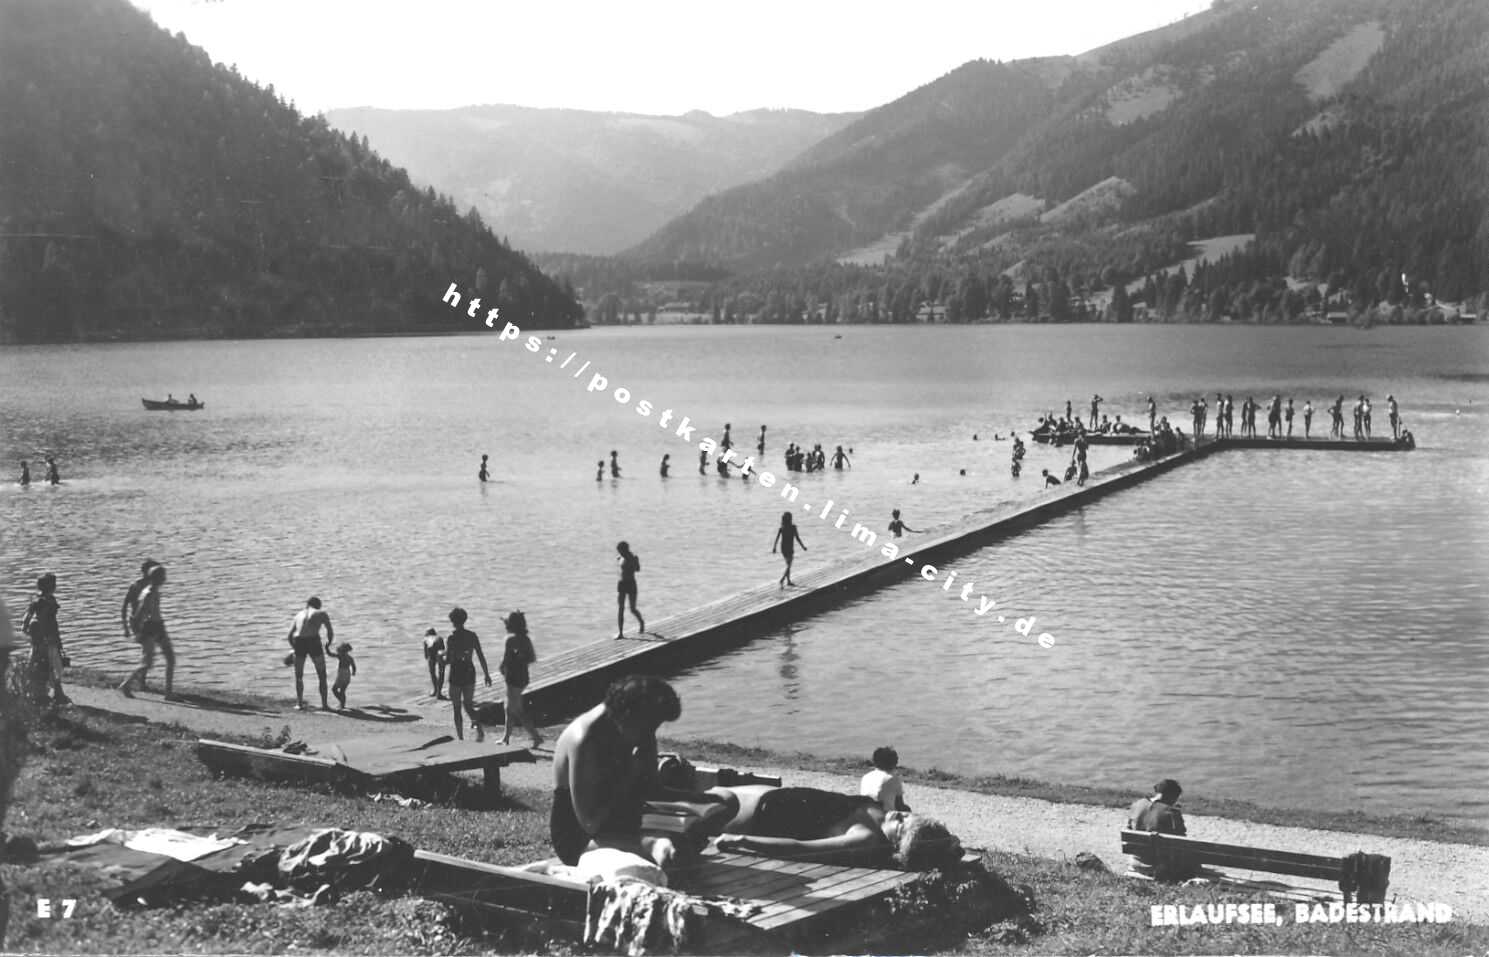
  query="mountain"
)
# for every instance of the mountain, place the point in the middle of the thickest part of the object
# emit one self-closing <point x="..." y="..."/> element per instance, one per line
<point x="584" y="182"/>
<point x="145" y="192"/>
<point x="1342" y="141"/>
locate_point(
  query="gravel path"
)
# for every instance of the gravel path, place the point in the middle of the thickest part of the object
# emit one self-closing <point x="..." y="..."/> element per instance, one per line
<point x="1421" y="871"/>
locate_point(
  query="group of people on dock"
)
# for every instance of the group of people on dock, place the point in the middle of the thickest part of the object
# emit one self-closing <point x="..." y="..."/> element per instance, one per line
<point x="1280" y="416"/>
<point x="54" y="477"/>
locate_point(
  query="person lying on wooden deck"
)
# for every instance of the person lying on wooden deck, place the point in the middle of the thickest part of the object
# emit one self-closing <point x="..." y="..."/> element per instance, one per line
<point x="829" y="828"/>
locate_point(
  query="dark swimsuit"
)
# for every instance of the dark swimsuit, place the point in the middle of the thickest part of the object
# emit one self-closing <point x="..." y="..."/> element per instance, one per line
<point x="803" y="814"/>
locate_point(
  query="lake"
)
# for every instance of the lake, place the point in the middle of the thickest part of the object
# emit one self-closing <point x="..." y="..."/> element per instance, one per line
<point x="1294" y="628"/>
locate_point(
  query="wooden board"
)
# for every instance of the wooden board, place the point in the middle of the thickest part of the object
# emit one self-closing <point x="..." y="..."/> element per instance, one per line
<point x="1239" y="856"/>
<point x="363" y="762"/>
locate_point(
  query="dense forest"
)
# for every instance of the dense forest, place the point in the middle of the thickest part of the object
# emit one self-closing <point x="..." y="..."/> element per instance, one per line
<point x="145" y="192"/>
<point x="1368" y="197"/>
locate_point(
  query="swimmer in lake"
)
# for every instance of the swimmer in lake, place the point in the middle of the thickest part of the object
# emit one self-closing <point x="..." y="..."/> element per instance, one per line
<point x="702" y="463"/>
<point x="787" y="538"/>
<point x="485" y="474"/>
<point x="52" y="474"/>
<point x="1049" y="480"/>
<point x="760" y="445"/>
<point x="25" y="474"/>
<point x="915" y="480"/>
<point x="665" y="465"/>
<point x="614" y="464"/>
<point x="899" y="527"/>
<point x="600" y="471"/>
<point x="839" y="458"/>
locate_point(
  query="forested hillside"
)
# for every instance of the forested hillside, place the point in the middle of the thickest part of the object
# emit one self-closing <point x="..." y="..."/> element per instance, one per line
<point x="1350" y="138"/>
<point x="579" y="181"/>
<point x="145" y="192"/>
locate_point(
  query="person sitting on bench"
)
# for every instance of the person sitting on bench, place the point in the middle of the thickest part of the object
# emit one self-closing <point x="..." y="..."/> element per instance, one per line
<point x="1159" y="812"/>
<point x="809" y="824"/>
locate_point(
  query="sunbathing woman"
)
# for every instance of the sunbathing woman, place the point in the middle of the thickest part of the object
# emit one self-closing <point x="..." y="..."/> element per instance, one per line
<point x="829" y="828"/>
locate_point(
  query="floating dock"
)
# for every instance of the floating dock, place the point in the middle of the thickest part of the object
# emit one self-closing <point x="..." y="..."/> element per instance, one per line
<point x="570" y="681"/>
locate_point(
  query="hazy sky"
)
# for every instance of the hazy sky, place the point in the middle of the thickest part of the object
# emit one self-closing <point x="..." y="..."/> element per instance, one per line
<point x="645" y="56"/>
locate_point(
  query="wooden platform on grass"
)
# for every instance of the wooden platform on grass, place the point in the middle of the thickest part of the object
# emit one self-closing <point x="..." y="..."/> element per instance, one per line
<point x="570" y="681"/>
<point x="793" y="897"/>
<point x="366" y="762"/>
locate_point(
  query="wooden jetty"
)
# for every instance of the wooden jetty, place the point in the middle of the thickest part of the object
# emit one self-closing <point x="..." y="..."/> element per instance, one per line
<point x="572" y="680"/>
<point x="363" y="763"/>
<point x="795" y="903"/>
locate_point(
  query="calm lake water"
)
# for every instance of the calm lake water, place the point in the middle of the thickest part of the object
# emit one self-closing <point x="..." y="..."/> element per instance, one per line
<point x="1295" y="628"/>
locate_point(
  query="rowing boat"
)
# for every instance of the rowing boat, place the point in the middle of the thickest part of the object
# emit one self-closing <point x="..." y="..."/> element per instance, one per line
<point x="172" y="405"/>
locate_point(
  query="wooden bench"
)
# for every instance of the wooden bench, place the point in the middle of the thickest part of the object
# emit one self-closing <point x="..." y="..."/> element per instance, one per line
<point x="1153" y="848"/>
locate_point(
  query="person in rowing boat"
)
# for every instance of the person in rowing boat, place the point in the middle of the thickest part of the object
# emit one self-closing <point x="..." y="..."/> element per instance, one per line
<point x="810" y="824"/>
<point x="191" y="399"/>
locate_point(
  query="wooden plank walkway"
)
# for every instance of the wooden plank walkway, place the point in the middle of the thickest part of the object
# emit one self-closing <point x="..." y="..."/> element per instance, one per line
<point x="570" y="681"/>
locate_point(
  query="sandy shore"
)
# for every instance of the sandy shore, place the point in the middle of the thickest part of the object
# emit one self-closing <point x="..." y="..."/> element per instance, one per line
<point x="1421" y="871"/>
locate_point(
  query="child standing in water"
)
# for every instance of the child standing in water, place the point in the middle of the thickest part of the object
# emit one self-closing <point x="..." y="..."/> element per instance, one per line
<point x="434" y="657"/>
<point x="899" y="527"/>
<point x="516" y="657"/>
<point x="346" y="666"/>
<point x="600" y="471"/>
<point x="787" y="538"/>
<point x="666" y="464"/>
<point x="626" y="589"/>
<point x="484" y="475"/>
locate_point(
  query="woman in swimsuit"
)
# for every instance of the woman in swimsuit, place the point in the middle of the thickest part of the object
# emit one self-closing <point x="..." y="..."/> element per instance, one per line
<point x="459" y="647"/>
<point x="516" y="657"/>
<point x="625" y="589"/>
<point x="829" y="828"/>
<point x="787" y="538"/>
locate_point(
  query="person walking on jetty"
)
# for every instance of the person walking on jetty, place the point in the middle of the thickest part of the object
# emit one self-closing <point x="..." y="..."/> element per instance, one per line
<point x="25" y="474"/>
<point x="517" y="655"/>
<point x="148" y="625"/>
<point x="1307" y="417"/>
<point x="899" y="527"/>
<point x="460" y="647"/>
<point x="346" y="666"/>
<point x="304" y="638"/>
<point x="787" y="538"/>
<point x="839" y="459"/>
<point x="625" y="589"/>
<point x="1287" y="414"/>
<point x="434" y="657"/>
<point x="882" y="784"/>
<point x="40" y="624"/>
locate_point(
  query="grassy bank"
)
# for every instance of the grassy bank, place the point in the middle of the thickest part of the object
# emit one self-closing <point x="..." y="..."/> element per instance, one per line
<point x="94" y="770"/>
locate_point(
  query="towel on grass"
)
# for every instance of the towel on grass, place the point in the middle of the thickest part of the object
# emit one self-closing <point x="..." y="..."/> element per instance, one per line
<point x="159" y="840"/>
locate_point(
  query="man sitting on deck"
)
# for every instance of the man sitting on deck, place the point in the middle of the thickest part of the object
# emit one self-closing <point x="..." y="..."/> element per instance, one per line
<point x="605" y="768"/>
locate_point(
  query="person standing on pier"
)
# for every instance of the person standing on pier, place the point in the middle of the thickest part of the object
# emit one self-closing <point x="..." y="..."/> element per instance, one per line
<point x="149" y="626"/>
<point x="434" y="657"/>
<point x="1274" y="418"/>
<point x="1204" y="418"/>
<point x="787" y="538"/>
<point x="1194" y="417"/>
<point x="1068" y="409"/>
<point x="1360" y="418"/>
<point x="1096" y="401"/>
<point x="459" y="648"/>
<point x="1307" y="417"/>
<point x="1395" y="414"/>
<point x="1230" y="414"/>
<point x="1152" y="415"/>
<point x="517" y="655"/>
<point x="1365" y="415"/>
<point x="626" y="589"/>
<point x="1336" y="419"/>
<point x="1287" y="414"/>
<point x="305" y="638"/>
<point x="40" y="623"/>
<point x="1219" y="416"/>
